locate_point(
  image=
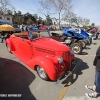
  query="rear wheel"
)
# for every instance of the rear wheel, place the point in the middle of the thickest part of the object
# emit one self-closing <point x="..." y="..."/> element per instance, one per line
<point x="77" y="48"/>
<point x="42" y="74"/>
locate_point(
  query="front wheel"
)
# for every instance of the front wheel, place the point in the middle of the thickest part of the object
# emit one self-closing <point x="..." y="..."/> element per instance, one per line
<point x="8" y="48"/>
<point x="42" y="74"/>
<point x="83" y="43"/>
<point x="77" y="48"/>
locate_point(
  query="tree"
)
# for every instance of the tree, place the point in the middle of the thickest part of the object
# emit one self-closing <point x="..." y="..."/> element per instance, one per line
<point x="17" y="17"/>
<point x="39" y="20"/>
<point x="70" y="17"/>
<point x="9" y="12"/>
<point x="35" y="16"/>
<point x="58" y="6"/>
<point x="29" y="18"/>
<point x="48" y="20"/>
<point x="5" y="6"/>
<point x="19" y="13"/>
<point x="93" y="24"/>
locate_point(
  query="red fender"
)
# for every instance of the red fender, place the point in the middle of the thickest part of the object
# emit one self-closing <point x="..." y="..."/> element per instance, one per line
<point x="46" y="64"/>
<point x="10" y="44"/>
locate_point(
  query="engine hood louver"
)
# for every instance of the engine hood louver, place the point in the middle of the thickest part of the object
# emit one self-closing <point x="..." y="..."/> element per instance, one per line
<point x="45" y="51"/>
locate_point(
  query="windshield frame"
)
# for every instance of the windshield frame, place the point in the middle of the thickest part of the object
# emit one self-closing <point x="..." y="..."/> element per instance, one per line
<point x="38" y="32"/>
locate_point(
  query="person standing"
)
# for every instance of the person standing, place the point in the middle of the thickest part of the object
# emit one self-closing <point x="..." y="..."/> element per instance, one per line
<point x="2" y="36"/>
<point x="96" y="87"/>
<point x="22" y="29"/>
<point x="26" y="28"/>
<point x="97" y="33"/>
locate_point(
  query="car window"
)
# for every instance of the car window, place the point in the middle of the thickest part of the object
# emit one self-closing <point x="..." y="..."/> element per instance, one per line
<point x="44" y="34"/>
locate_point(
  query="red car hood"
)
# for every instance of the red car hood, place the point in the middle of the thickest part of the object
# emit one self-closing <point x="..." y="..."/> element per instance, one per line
<point x="51" y="44"/>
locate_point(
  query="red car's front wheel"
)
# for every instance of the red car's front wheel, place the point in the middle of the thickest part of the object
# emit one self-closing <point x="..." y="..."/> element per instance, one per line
<point x="42" y="74"/>
<point x="8" y="48"/>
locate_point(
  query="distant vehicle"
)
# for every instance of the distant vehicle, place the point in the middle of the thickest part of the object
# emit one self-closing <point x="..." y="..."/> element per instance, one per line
<point x="50" y="58"/>
<point x="42" y="27"/>
<point x="17" y="29"/>
<point x="32" y="28"/>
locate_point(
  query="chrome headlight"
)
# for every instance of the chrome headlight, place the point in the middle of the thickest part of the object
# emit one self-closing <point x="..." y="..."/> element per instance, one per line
<point x="60" y="60"/>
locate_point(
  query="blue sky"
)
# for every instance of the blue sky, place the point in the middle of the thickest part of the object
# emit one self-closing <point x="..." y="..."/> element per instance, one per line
<point x="83" y="8"/>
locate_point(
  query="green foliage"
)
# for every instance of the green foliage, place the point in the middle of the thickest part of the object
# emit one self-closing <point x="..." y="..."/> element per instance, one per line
<point x="27" y="18"/>
<point x="93" y="24"/>
<point x="86" y="27"/>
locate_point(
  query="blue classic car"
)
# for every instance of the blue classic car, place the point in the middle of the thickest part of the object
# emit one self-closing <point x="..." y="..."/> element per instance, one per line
<point x="81" y="37"/>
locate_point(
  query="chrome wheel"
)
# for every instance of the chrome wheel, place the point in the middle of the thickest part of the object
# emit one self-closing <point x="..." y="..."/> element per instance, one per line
<point x="41" y="72"/>
<point x="76" y="48"/>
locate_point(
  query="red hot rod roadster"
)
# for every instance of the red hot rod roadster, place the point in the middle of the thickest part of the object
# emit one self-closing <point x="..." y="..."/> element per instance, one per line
<point x="50" y="58"/>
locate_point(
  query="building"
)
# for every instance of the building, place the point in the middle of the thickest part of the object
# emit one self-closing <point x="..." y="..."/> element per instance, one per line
<point x="8" y="18"/>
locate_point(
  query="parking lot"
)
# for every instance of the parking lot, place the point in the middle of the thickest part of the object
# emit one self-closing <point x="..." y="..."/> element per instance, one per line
<point x="17" y="78"/>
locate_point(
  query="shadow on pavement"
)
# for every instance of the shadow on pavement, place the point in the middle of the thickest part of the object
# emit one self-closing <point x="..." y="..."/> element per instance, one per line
<point x="78" y="71"/>
<point x="15" y="79"/>
<point x="82" y="67"/>
<point x="84" y="53"/>
<point x="87" y="48"/>
<point x="94" y="43"/>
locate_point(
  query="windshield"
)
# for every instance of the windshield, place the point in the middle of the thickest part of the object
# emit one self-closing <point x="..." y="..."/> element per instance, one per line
<point x="38" y="34"/>
<point x="77" y="30"/>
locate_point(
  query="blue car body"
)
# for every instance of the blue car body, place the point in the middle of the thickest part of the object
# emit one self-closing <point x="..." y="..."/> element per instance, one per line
<point x="78" y="34"/>
<point x="32" y="28"/>
<point x="71" y="32"/>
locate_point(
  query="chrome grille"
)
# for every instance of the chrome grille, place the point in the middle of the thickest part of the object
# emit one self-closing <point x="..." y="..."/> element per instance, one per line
<point x="67" y="59"/>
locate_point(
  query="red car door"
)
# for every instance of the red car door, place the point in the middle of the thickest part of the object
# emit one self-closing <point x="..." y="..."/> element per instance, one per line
<point x="25" y="48"/>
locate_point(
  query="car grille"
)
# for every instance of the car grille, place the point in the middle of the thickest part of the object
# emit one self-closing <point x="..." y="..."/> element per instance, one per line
<point x="45" y="51"/>
<point x="67" y="59"/>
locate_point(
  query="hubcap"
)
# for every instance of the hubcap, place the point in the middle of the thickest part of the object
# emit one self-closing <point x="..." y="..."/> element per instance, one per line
<point x="76" y="49"/>
<point x="41" y="72"/>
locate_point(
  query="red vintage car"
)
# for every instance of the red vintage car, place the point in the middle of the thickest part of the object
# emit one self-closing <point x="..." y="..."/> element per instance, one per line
<point x="50" y="58"/>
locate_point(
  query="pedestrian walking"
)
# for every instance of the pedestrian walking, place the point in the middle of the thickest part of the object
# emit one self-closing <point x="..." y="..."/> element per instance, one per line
<point x="22" y="28"/>
<point x="96" y="87"/>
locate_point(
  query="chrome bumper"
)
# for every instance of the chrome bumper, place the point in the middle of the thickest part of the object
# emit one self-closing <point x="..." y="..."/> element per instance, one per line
<point x="70" y="72"/>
